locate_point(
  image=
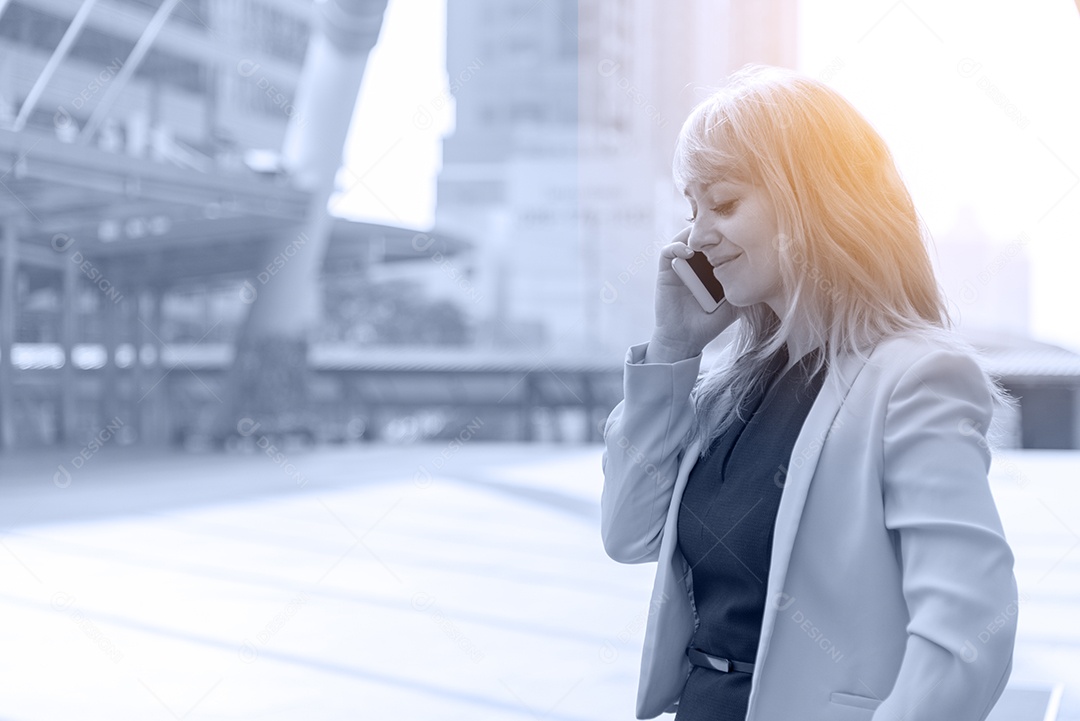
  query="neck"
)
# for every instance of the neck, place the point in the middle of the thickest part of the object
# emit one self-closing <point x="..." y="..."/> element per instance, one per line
<point x="798" y="345"/>
<point x="801" y="340"/>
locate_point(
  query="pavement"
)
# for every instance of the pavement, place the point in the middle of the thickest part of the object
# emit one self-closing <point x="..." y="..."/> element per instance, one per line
<point x="458" y="580"/>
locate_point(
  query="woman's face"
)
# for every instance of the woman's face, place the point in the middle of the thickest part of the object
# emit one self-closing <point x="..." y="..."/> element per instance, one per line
<point x="734" y="225"/>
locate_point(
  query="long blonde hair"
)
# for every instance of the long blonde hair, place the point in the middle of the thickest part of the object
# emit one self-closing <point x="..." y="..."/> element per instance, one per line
<point x="851" y="246"/>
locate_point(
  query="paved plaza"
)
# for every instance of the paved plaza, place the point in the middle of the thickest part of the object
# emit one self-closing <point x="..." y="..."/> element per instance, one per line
<point x="422" y="582"/>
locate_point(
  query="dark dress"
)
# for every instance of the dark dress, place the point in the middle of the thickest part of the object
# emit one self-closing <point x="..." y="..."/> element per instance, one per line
<point x="725" y="532"/>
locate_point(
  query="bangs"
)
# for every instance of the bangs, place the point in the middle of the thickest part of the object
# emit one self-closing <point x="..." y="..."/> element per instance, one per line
<point x="707" y="150"/>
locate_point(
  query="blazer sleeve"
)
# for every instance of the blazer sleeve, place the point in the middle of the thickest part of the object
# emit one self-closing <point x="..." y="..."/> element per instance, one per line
<point x="643" y="444"/>
<point x="958" y="580"/>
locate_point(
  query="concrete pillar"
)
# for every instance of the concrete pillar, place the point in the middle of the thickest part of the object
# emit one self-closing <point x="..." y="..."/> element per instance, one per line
<point x="152" y="399"/>
<point x="269" y="371"/>
<point x="139" y="406"/>
<point x="527" y="409"/>
<point x="69" y="289"/>
<point x="108" y="406"/>
<point x="8" y="299"/>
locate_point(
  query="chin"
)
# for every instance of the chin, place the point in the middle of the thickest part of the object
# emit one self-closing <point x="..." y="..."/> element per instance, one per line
<point x="736" y="301"/>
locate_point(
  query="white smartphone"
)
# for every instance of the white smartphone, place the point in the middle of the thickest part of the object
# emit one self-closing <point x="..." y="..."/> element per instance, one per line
<point x="697" y="273"/>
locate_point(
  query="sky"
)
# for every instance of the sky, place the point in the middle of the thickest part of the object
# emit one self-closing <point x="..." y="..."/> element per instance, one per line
<point x="979" y="102"/>
<point x="403" y="111"/>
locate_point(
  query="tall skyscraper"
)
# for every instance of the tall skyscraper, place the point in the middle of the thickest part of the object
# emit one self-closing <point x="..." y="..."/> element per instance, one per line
<point x="559" y="167"/>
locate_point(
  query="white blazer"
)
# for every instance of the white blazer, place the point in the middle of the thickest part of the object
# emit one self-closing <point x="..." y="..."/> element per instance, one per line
<point x="890" y="593"/>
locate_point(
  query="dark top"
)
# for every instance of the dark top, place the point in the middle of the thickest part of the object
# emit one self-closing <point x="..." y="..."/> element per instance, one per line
<point x="725" y="533"/>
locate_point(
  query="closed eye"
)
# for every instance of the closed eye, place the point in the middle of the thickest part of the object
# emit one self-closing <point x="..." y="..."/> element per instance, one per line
<point x="726" y="209"/>
<point x="723" y="210"/>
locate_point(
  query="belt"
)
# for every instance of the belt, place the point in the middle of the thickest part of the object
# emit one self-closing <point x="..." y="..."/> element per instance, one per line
<point x="700" y="658"/>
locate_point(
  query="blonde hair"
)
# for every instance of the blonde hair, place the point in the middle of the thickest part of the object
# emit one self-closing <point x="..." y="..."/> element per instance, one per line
<point x="851" y="246"/>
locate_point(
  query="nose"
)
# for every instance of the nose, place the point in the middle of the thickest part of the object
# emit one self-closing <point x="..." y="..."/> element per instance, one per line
<point x="702" y="238"/>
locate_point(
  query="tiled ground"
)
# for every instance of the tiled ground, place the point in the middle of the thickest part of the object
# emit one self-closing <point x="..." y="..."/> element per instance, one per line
<point x="415" y="582"/>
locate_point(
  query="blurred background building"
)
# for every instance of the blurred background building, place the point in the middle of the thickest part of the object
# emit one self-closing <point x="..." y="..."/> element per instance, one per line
<point x="566" y="118"/>
<point x="143" y="182"/>
<point x="568" y="195"/>
<point x="172" y="286"/>
<point x="149" y="209"/>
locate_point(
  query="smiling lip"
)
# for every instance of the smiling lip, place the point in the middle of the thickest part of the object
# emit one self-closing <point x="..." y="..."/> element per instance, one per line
<point x="725" y="260"/>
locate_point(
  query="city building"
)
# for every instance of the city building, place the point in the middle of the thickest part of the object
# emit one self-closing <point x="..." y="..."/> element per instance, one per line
<point x="142" y="180"/>
<point x="559" y="167"/>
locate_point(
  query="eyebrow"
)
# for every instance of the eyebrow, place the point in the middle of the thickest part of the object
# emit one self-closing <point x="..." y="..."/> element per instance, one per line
<point x="729" y="178"/>
<point x="709" y="188"/>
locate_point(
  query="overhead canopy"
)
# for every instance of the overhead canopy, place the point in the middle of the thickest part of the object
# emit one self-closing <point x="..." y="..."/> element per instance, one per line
<point x="167" y="223"/>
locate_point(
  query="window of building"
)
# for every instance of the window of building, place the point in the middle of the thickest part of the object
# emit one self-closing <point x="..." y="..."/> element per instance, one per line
<point x="42" y="31"/>
<point x="269" y="30"/>
<point x="192" y="12"/>
<point x="27" y="26"/>
<point x="100" y="49"/>
<point x="567" y="30"/>
<point x="174" y="70"/>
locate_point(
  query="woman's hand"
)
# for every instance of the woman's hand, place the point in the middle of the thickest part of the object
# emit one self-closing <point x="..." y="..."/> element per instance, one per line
<point x="682" y="329"/>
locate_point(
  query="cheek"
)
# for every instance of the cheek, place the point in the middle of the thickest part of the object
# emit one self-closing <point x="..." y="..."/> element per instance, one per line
<point x="757" y="272"/>
<point x="765" y="257"/>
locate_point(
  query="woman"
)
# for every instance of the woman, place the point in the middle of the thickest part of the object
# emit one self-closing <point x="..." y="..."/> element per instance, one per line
<point x="818" y="504"/>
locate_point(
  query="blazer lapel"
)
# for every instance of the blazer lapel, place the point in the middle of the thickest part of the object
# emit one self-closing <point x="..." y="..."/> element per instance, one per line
<point x="688" y="460"/>
<point x="664" y="665"/>
<point x="806" y="452"/>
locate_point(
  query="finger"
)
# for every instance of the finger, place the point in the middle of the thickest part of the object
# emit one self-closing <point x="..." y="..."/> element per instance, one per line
<point x="678" y="249"/>
<point x="683" y="235"/>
